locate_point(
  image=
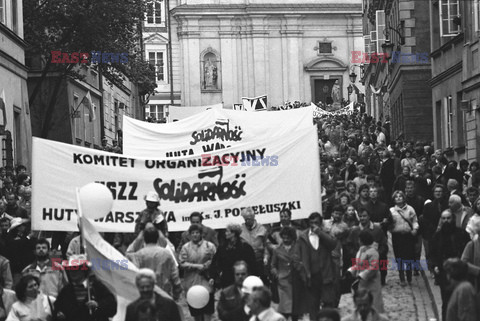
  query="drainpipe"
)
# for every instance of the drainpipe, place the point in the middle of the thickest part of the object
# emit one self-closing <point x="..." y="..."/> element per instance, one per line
<point x="170" y="67"/>
<point x="101" y="109"/>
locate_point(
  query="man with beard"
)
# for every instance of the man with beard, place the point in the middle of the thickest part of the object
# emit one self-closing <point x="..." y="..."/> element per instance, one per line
<point x="430" y="217"/>
<point x="448" y="242"/>
<point x="51" y="274"/>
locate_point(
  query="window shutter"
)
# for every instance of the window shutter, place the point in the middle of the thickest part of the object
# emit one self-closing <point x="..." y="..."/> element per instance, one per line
<point x="373" y="42"/>
<point x="380" y="28"/>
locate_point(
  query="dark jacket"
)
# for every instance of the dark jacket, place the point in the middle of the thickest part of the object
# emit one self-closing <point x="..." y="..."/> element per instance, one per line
<point x="378" y="212"/>
<point x="448" y="245"/>
<point x="231" y="305"/>
<point x="353" y="241"/>
<point x="430" y="217"/>
<point x="320" y="260"/>
<point x="221" y="268"/>
<point x="387" y="175"/>
<point x="74" y="311"/>
<point x="349" y="173"/>
<point x="165" y="309"/>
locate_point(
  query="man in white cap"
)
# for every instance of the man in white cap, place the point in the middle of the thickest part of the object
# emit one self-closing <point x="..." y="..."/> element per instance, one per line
<point x="151" y="214"/>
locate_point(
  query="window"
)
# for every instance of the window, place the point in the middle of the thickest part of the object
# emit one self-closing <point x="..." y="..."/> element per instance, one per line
<point x="14" y="16"/>
<point x="476" y="14"/>
<point x="448" y="119"/>
<point x="460" y="121"/>
<point x="116" y="121"/>
<point x="373" y="42"/>
<point x="155" y="112"/>
<point x="449" y="18"/>
<point x="2" y="11"/>
<point x="157" y="60"/>
<point x="154" y="12"/>
<point x="366" y="41"/>
<point x="380" y="27"/>
<point x="324" y="47"/>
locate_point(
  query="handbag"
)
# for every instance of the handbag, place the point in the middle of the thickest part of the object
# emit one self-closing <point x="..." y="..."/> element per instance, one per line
<point x="346" y="282"/>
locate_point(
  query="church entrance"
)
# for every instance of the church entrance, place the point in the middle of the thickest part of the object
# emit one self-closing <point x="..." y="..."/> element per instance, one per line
<point x="323" y="91"/>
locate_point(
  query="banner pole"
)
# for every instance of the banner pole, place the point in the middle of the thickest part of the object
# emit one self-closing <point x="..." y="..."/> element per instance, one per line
<point x="82" y="243"/>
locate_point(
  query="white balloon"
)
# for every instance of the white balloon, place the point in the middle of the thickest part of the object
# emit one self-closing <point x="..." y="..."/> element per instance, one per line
<point x="96" y="200"/>
<point x="250" y="283"/>
<point x="198" y="296"/>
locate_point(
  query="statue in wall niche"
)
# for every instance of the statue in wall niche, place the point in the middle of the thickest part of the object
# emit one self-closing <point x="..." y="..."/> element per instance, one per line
<point x="210" y="75"/>
<point x="336" y="94"/>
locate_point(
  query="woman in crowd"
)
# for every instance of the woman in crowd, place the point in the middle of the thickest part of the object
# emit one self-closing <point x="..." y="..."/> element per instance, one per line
<point x="287" y="269"/>
<point x="352" y="190"/>
<point x="404" y="230"/>
<point x="361" y="178"/>
<point x="367" y="270"/>
<point x="343" y="200"/>
<point x="471" y="253"/>
<point x="351" y="216"/>
<point x="474" y="170"/>
<point x="195" y="259"/>
<point x="31" y="304"/>
<point x="234" y="249"/>
<point x="408" y="160"/>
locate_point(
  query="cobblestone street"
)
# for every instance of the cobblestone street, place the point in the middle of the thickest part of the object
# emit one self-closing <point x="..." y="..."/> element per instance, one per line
<point x="410" y="303"/>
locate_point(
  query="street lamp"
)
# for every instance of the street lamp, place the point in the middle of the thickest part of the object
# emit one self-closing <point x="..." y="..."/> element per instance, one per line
<point x="387" y="48"/>
<point x="398" y="30"/>
<point x="353" y="76"/>
<point x="350" y="90"/>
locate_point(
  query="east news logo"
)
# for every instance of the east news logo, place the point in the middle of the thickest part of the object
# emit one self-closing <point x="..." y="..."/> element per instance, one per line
<point x="95" y="57"/>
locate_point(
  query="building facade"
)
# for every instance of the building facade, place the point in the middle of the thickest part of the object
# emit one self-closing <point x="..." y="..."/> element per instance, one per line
<point x="289" y="50"/>
<point x="161" y="47"/>
<point x="398" y="87"/>
<point x="455" y="27"/>
<point x="73" y="121"/>
<point x="15" y="129"/>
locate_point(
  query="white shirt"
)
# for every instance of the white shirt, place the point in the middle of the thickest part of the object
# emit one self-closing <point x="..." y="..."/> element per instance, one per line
<point x="313" y="239"/>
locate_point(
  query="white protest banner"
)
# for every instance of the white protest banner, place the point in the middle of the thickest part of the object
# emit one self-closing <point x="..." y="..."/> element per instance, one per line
<point x="176" y="113"/>
<point x="211" y="130"/>
<point x="284" y="174"/>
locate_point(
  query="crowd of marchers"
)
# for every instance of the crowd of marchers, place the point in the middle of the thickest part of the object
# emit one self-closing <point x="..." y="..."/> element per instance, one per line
<point x="374" y="188"/>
